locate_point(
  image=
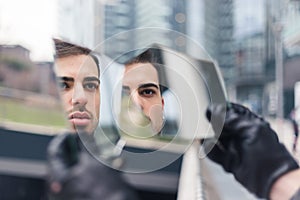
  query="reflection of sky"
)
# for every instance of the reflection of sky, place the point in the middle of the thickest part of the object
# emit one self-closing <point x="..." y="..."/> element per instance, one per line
<point x="249" y="17"/>
<point x="30" y="23"/>
<point x="172" y="106"/>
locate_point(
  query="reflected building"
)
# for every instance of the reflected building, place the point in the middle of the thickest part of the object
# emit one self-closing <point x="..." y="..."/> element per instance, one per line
<point x="163" y="15"/>
<point x="155" y="14"/>
<point x="178" y="23"/>
<point x="154" y="19"/>
<point x="118" y="17"/>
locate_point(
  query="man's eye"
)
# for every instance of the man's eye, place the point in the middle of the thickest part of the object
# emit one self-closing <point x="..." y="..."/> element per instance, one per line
<point x="63" y="85"/>
<point x="125" y="92"/>
<point x="91" y="86"/>
<point x="147" y="92"/>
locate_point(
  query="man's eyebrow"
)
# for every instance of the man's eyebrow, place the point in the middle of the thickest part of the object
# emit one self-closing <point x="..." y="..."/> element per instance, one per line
<point x="91" y="78"/>
<point x="125" y="87"/>
<point x="146" y="85"/>
<point x="65" y="78"/>
<point x="125" y="90"/>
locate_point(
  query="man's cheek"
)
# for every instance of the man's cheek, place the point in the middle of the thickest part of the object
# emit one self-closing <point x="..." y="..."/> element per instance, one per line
<point x="156" y="115"/>
<point x="97" y="104"/>
<point x="94" y="105"/>
<point x="66" y="101"/>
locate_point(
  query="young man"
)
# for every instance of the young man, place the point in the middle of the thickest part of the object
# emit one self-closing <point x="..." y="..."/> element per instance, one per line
<point x="141" y="84"/>
<point x="78" y="77"/>
<point x="73" y="172"/>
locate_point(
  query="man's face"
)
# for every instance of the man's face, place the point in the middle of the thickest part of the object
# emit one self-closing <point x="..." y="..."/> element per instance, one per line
<point x="79" y="83"/>
<point x="141" y="82"/>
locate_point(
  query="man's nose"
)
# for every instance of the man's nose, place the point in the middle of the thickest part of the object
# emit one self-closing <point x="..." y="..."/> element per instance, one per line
<point x="136" y="99"/>
<point x="79" y="97"/>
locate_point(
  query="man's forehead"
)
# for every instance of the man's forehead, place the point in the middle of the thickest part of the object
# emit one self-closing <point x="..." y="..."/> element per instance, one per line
<point x="140" y="67"/>
<point x="140" y="73"/>
<point x="76" y="65"/>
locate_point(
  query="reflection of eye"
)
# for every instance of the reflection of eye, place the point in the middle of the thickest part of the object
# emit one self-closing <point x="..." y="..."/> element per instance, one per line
<point x="125" y="91"/>
<point x="91" y="86"/>
<point x="64" y="85"/>
<point x="147" y="92"/>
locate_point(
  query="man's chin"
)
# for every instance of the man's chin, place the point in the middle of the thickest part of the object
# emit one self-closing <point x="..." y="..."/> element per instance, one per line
<point x="81" y="129"/>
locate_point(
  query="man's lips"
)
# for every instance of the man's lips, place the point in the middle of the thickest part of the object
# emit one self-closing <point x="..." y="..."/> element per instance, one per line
<point x="79" y="118"/>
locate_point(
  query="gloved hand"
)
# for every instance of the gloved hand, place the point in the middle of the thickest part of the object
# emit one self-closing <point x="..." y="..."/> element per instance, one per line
<point x="75" y="174"/>
<point x="248" y="148"/>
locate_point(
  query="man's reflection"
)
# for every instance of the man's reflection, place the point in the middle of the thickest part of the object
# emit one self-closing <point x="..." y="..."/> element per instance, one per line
<point x="141" y="83"/>
<point x="78" y="76"/>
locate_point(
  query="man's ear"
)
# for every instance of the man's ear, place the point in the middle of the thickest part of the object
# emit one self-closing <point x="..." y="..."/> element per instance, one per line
<point x="162" y="102"/>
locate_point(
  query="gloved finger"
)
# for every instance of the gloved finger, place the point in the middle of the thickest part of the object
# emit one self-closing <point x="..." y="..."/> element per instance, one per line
<point x="234" y="156"/>
<point x="237" y="118"/>
<point x="239" y="108"/>
<point x="222" y="154"/>
<point x="240" y="118"/>
<point x="245" y="112"/>
<point x="214" y="150"/>
<point x="216" y="115"/>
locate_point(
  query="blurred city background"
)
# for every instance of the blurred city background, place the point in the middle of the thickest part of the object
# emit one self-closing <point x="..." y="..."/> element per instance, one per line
<point x="255" y="42"/>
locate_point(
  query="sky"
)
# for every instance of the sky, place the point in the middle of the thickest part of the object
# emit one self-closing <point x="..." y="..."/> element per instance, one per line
<point x="30" y="23"/>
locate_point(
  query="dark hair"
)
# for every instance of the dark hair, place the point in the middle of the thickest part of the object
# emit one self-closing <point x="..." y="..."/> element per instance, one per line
<point x="152" y="56"/>
<point x="147" y="56"/>
<point x="64" y="49"/>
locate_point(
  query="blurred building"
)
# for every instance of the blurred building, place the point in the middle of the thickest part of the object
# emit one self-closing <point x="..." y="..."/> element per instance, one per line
<point x="266" y="56"/>
<point x="131" y="24"/>
<point x="291" y="41"/>
<point x="118" y="17"/>
<point x="15" y="62"/>
<point x="219" y="29"/>
<point x="178" y="23"/>
<point x="17" y="51"/>
<point x="242" y="35"/>
<point x="282" y="55"/>
<point x="251" y="76"/>
<point x="291" y="32"/>
<point x="76" y="21"/>
<point x="169" y="20"/>
<point x="45" y="78"/>
<point x="254" y="74"/>
<point x="19" y="72"/>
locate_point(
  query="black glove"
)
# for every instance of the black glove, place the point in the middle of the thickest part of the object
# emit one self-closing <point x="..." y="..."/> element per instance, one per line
<point x="248" y="148"/>
<point x="75" y="174"/>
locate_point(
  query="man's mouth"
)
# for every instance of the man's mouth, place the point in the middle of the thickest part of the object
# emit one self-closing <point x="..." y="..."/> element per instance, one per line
<point x="79" y="118"/>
